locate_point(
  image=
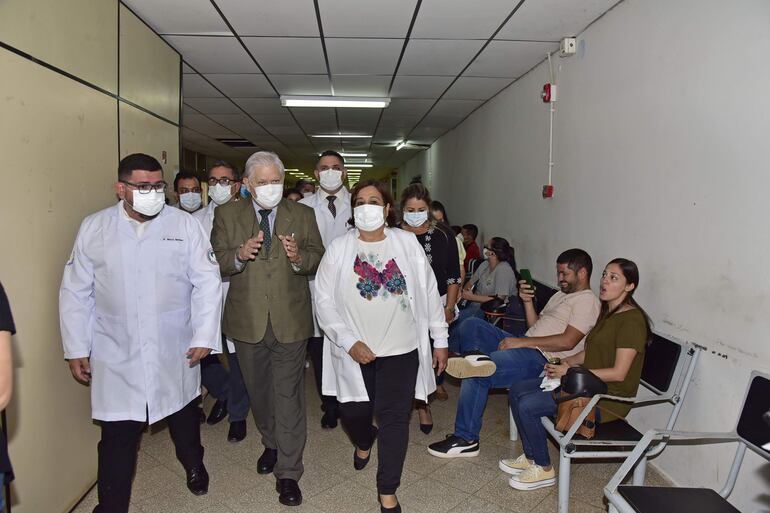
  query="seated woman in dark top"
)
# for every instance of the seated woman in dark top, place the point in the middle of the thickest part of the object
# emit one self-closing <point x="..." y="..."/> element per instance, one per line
<point x="614" y="351"/>
<point x="440" y="246"/>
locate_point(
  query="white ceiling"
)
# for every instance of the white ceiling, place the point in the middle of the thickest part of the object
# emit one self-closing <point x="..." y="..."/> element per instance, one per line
<point x="439" y="60"/>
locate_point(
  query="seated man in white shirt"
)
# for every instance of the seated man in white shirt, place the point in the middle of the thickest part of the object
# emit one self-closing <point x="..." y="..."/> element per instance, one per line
<point x="559" y="331"/>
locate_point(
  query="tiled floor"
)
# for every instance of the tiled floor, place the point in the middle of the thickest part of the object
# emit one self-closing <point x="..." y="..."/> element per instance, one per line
<point x="331" y="485"/>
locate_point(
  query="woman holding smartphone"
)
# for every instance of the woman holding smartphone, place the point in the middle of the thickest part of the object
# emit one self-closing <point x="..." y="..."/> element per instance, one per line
<point x="614" y="351"/>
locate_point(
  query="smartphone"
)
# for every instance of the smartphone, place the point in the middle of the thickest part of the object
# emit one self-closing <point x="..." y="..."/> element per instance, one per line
<point x="527" y="276"/>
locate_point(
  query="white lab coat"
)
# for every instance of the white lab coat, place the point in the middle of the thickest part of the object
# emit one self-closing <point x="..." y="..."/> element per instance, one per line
<point x="341" y="374"/>
<point x="205" y="217"/>
<point x="330" y="227"/>
<point x="135" y="305"/>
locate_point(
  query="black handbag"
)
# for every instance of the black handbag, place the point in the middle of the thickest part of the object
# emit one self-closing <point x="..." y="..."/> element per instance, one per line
<point x="496" y="305"/>
<point x="579" y="382"/>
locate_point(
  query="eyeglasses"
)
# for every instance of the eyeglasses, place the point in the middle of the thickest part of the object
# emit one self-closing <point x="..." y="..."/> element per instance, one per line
<point x="145" y="188"/>
<point x="221" y="181"/>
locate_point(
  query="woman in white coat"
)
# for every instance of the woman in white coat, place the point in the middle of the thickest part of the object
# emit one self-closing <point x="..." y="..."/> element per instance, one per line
<point x="378" y="305"/>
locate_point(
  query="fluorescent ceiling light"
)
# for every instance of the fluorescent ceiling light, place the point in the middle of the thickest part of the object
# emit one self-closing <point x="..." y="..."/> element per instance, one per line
<point x="354" y="154"/>
<point x="400" y="145"/>
<point x="334" y="101"/>
<point x="342" y="136"/>
<point x="359" y="164"/>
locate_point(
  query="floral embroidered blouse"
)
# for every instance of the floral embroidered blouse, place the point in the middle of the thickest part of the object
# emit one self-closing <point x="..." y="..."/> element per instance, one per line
<point x="378" y="301"/>
<point x="441" y="249"/>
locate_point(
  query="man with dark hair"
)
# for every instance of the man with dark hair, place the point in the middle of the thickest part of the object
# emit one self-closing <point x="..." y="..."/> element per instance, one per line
<point x="227" y="387"/>
<point x="558" y="331"/>
<point x="305" y="187"/>
<point x="331" y="204"/>
<point x="187" y="189"/>
<point x="472" y="251"/>
<point x="139" y="306"/>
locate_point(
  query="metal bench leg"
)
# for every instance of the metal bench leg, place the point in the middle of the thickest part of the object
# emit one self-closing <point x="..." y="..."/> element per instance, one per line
<point x="639" y="471"/>
<point x="563" y="481"/>
<point x="513" y="433"/>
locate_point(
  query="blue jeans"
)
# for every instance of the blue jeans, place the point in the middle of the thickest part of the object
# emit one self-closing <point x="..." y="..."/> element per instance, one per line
<point x="478" y="335"/>
<point x="513" y="366"/>
<point x="470" y="312"/>
<point x="528" y="404"/>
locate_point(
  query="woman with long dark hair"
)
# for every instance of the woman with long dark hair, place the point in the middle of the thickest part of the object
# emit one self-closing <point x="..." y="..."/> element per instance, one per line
<point x="438" y="212"/>
<point x="614" y="352"/>
<point x="378" y="306"/>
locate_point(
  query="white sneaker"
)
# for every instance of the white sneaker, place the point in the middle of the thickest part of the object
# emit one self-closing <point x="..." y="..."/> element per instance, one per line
<point x="532" y="478"/>
<point x="471" y="366"/>
<point x="514" y="466"/>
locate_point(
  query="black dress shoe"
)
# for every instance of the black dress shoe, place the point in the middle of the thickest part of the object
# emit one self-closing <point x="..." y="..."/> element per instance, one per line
<point x="266" y="462"/>
<point x="329" y="420"/>
<point x="198" y="480"/>
<point x="289" y="492"/>
<point x="237" y="431"/>
<point x="217" y="413"/>
<point x="383" y="509"/>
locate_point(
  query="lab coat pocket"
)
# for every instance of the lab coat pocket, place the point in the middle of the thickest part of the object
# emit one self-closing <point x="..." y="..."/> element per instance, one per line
<point x="111" y="342"/>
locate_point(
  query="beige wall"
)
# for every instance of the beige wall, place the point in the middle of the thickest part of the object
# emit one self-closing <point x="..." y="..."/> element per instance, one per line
<point x="61" y="141"/>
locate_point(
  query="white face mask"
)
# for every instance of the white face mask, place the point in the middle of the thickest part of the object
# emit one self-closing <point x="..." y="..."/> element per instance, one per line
<point x="220" y="194"/>
<point x="268" y="196"/>
<point x="149" y="204"/>
<point x="369" y="217"/>
<point x="307" y="194"/>
<point x="416" y="219"/>
<point x="190" y="201"/>
<point x="331" y="179"/>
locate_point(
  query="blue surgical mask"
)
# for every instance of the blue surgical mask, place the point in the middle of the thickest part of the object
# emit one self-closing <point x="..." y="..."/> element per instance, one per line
<point x="245" y="191"/>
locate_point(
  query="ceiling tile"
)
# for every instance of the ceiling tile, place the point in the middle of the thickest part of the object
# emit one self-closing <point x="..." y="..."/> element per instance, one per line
<point x="283" y="130"/>
<point x="413" y="86"/>
<point x="455" y="108"/>
<point x="242" y="85"/>
<point x="287" y="55"/>
<point x="302" y="84"/>
<point x="408" y="108"/>
<point x="363" y="56"/>
<point x="284" y="18"/>
<point x="361" y="85"/>
<point x="260" y="105"/>
<point x="437" y="121"/>
<point x="437" y="57"/>
<point x="343" y="18"/>
<point x="206" y="54"/>
<point x="194" y="86"/>
<point x="206" y="126"/>
<point x="276" y="120"/>
<point x="358" y="120"/>
<point x="186" y="68"/>
<point x="179" y="16"/>
<point x="213" y="105"/>
<point x="476" y="88"/>
<point x="509" y="58"/>
<point x="240" y="123"/>
<point x="461" y="19"/>
<point x="551" y="20"/>
<point x="316" y="120"/>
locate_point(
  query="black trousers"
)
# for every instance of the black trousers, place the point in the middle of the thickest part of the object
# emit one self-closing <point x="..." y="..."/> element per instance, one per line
<point x="390" y="382"/>
<point x="119" y="447"/>
<point x="315" y="346"/>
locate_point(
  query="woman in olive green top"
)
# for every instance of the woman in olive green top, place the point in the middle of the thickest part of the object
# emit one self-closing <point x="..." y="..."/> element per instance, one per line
<point x="614" y="351"/>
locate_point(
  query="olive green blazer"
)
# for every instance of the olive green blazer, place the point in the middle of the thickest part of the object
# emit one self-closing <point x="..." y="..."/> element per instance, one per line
<point x="269" y="285"/>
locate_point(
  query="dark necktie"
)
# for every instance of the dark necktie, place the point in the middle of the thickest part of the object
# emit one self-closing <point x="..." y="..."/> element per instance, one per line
<point x="264" y="225"/>
<point x="332" y="208"/>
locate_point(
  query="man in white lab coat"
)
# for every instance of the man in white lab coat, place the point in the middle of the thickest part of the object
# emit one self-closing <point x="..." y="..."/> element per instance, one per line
<point x="224" y="183"/>
<point x="140" y="305"/>
<point x="331" y="203"/>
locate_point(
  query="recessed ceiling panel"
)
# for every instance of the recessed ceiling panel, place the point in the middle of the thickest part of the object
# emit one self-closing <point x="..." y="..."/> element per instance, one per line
<point x="194" y="86"/>
<point x="551" y="20"/>
<point x="240" y="123"/>
<point x="413" y="86"/>
<point x="363" y="56"/>
<point x="461" y="19"/>
<point x="260" y="105"/>
<point x="302" y="84"/>
<point x="437" y="57"/>
<point x="343" y="18"/>
<point x="509" y="58"/>
<point x="213" y="105"/>
<point x="455" y="108"/>
<point x="242" y="85"/>
<point x="213" y="54"/>
<point x="206" y="126"/>
<point x="476" y="88"/>
<point x="361" y="85"/>
<point x="284" y="18"/>
<point x="287" y="55"/>
<point x="179" y="16"/>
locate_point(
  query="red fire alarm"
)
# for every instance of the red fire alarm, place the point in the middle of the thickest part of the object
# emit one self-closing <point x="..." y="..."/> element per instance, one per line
<point x="548" y="191"/>
<point x="549" y="93"/>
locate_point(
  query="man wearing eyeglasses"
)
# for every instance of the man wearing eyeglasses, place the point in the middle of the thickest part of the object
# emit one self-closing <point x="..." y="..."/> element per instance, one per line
<point x="187" y="188"/>
<point x="139" y="306"/>
<point x="268" y="246"/>
<point x="224" y="183"/>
